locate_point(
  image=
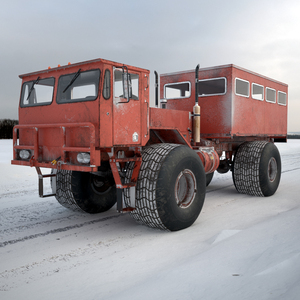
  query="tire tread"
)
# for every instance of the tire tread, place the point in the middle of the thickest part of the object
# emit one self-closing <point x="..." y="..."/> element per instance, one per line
<point x="246" y="168"/>
<point x="64" y="194"/>
<point x="146" y="210"/>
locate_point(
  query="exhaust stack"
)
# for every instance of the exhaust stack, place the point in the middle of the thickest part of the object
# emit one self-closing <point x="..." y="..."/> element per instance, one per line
<point x="156" y="88"/>
<point x="196" y="111"/>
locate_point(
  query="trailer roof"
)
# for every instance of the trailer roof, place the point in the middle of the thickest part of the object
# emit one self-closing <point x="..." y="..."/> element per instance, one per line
<point x="224" y="67"/>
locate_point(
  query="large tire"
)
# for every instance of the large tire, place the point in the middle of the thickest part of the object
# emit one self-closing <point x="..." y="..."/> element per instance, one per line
<point x="257" y="168"/>
<point x="82" y="191"/>
<point x="171" y="185"/>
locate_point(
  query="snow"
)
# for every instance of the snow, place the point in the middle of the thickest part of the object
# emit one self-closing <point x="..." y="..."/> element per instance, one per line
<point x="240" y="247"/>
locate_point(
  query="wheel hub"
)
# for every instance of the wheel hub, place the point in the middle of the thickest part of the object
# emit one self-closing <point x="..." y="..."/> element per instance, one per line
<point x="99" y="184"/>
<point x="272" y="169"/>
<point x="185" y="188"/>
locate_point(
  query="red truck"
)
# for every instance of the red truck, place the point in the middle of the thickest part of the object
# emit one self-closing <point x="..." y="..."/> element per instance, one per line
<point x="91" y="123"/>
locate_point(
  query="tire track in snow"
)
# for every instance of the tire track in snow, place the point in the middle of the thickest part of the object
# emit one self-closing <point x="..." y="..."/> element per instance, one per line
<point x="220" y="188"/>
<point x="54" y="231"/>
<point x="17" y="193"/>
<point x="286" y="171"/>
<point x="63" y="229"/>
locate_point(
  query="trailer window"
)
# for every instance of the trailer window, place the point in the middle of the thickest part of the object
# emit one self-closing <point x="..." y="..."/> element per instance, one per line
<point x="257" y="91"/>
<point x="177" y="90"/>
<point x="37" y="92"/>
<point x="211" y="87"/>
<point x="118" y="84"/>
<point x="80" y="86"/>
<point x="242" y="87"/>
<point x="281" y="98"/>
<point x="270" y="95"/>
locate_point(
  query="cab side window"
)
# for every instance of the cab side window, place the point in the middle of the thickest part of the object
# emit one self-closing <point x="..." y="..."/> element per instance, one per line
<point x="133" y="85"/>
<point x="106" y="85"/>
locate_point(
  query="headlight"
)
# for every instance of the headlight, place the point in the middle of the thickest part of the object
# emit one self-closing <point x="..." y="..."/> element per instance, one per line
<point x="83" y="158"/>
<point x="24" y="154"/>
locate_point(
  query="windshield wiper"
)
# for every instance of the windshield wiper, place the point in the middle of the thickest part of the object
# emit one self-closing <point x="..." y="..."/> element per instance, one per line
<point x="73" y="80"/>
<point x="33" y="84"/>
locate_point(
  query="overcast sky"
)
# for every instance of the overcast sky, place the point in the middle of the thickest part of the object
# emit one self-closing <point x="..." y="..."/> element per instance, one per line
<point x="162" y="35"/>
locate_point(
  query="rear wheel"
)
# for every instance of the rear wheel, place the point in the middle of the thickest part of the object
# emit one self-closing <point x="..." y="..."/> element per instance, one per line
<point x="209" y="178"/>
<point x="170" y="190"/>
<point x="82" y="191"/>
<point x="257" y="168"/>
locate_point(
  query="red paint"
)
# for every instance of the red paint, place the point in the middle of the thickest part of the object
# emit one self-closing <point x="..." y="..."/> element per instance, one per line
<point x="104" y="127"/>
<point x="230" y="115"/>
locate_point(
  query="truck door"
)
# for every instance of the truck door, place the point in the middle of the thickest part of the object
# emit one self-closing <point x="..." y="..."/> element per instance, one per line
<point x="127" y="112"/>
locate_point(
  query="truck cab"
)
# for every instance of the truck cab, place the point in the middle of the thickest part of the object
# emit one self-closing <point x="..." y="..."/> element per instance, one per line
<point x="81" y="108"/>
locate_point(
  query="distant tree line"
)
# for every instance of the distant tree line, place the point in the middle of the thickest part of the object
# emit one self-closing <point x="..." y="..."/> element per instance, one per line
<point x="293" y="136"/>
<point x="6" y="128"/>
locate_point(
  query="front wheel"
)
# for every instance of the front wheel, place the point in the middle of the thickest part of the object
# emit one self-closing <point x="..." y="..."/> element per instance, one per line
<point x="82" y="191"/>
<point x="257" y="168"/>
<point x="171" y="185"/>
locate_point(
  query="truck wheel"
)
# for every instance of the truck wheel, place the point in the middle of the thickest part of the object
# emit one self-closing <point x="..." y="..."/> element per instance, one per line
<point x="209" y="178"/>
<point x="257" y="168"/>
<point x="82" y="191"/>
<point x="170" y="190"/>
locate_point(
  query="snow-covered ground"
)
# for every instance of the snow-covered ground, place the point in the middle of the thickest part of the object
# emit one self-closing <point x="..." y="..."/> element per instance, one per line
<point x="240" y="247"/>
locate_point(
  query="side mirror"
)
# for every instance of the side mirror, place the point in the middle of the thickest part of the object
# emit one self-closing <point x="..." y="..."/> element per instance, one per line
<point x="127" y="87"/>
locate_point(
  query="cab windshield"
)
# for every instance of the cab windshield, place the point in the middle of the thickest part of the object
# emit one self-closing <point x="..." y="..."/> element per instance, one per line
<point x="79" y="86"/>
<point x="37" y="92"/>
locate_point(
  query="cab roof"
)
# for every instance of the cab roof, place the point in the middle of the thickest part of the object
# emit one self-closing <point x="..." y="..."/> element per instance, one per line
<point x="84" y="63"/>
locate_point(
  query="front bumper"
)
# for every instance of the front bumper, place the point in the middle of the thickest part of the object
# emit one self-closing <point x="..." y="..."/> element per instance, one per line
<point x="48" y="142"/>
